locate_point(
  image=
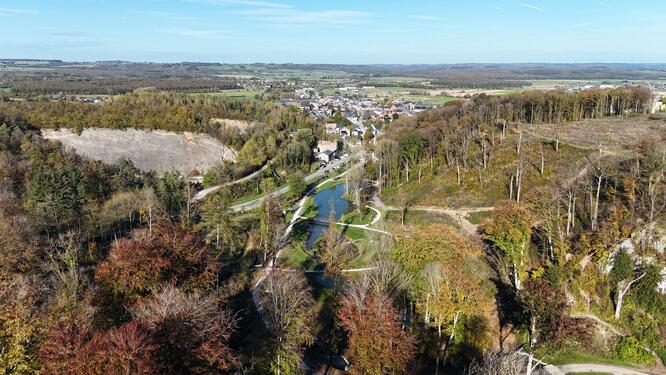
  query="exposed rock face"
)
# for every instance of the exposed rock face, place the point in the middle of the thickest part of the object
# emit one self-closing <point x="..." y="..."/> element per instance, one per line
<point x="157" y="150"/>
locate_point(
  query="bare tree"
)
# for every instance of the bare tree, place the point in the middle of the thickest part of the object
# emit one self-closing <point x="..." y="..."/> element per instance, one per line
<point x="622" y="289"/>
<point x="598" y="175"/>
<point x="335" y="250"/>
<point x="64" y="264"/>
<point x="357" y="186"/>
<point x="287" y="301"/>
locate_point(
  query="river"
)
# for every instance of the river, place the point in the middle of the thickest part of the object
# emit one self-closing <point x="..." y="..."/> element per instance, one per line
<point x="327" y="200"/>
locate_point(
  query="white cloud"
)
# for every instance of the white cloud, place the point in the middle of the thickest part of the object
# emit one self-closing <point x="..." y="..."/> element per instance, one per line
<point x="5" y="12"/>
<point x="533" y="7"/>
<point x="497" y="7"/>
<point x="195" y="33"/>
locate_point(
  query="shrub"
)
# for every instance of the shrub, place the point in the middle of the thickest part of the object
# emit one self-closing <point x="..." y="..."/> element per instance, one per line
<point x="631" y="350"/>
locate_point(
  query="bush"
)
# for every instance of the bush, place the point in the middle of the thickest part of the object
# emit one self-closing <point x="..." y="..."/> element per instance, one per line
<point x="631" y="350"/>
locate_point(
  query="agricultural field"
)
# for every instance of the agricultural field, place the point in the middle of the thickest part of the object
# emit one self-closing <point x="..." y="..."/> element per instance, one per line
<point x="239" y="93"/>
<point x="278" y="73"/>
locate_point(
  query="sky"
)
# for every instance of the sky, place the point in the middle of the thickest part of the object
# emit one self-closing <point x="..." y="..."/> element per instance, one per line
<point x="336" y="31"/>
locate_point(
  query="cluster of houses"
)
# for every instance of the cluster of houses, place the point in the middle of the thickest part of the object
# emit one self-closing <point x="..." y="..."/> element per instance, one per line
<point x="356" y="115"/>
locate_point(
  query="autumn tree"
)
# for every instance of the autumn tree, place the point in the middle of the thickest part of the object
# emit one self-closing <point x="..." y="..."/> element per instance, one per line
<point x="189" y="330"/>
<point x="138" y="266"/>
<point x="271" y="227"/>
<point x="218" y="223"/>
<point x="286" y="302"/>
<point x="334" y="250"/>
<point x="377" y="342"/>
<point x="21" y="328"/>
<point x="509" y="230"/>
<point x="547" y="316"/>
<point x="446" y="282"/>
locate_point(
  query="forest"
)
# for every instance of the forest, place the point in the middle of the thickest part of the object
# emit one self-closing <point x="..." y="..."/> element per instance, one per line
<point x="108" y="269"/>
<point x="273" y="133"/>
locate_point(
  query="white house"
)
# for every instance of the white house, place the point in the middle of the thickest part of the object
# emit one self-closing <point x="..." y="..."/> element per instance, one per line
<point x="326" y="151"/>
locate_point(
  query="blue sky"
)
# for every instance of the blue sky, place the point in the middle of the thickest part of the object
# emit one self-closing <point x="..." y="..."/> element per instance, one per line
<point x="335" y="31"/>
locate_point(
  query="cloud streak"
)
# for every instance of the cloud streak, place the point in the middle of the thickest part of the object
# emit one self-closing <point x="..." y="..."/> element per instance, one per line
<point x="251" y="3"/>
<point x="171" y="16"/>
<point x="533" y="7"/>
<point x="6" y="12"/>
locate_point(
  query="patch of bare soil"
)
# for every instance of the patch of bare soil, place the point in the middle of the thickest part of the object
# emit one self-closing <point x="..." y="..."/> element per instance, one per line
<point x="617" y="135"/>
<point x="157" y="150"/>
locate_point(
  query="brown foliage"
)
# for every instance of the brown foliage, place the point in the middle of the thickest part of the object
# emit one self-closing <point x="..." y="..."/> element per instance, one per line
<point x="377" y="343"/>
<point x="140" y="265"/>
<point x="190" y="332"/>
<point x="73" y="348"/>
<point x="552" y="326"/>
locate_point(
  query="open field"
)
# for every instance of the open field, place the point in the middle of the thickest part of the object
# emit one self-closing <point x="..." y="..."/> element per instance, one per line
<point x="612" y="134"/>
<point x="274" y="72"/>
<point x="240" y="93"/>
<point x="156" y="150"/>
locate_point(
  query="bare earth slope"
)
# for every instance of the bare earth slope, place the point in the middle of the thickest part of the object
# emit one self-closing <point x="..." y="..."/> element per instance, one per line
<point x="156" y="150"/>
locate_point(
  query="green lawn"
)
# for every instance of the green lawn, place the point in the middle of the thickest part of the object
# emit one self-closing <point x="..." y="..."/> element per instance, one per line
<point x="310" y="209"/>
<point x="589" y="373"/>
<point x="296" y="257"/>
<point x="356" y="219"/>
<point x="420" y="218"/>
<point x="565" y="358"/>
<point x="327" y="185"/>
<point x="355" y="234"/>
<point x="477" y="217"/>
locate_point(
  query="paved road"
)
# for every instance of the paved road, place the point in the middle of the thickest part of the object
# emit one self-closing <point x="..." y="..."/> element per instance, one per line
<point x="321" y="172"/>
<point x="203" y="193"/>
<point x="584" y="367"/>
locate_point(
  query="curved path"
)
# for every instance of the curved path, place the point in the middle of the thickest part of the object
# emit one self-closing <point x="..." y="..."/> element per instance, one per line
<point x="375" y="219"/>
<point x="589" y="367"/>
<point x="460" y="214"/>
<point x="203" y="193"/>
<point x="321" y="172"/>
